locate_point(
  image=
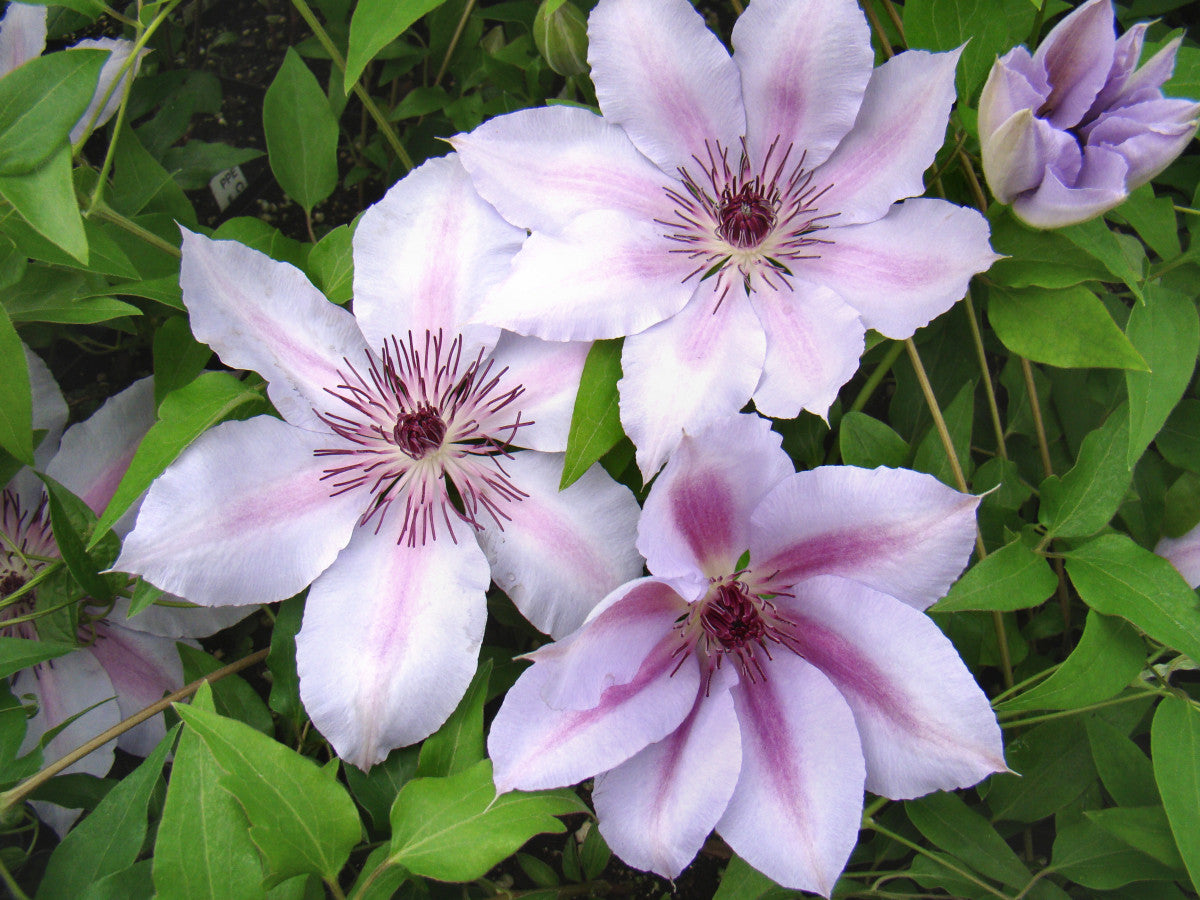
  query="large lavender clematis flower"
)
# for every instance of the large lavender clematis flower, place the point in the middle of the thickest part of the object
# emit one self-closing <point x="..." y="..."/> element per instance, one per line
<point x="392" y="459"/>
<point x="758" y="697"/>
<point x="131" y="660"/>
<point x="23" y="37"/>
<point x="736" y="217"/>
<point x="1070" y="130"/>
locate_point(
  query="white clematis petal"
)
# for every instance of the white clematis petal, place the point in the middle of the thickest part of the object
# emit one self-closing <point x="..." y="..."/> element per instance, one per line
<point x="804" y="68"/>
<point x="561" y="552"/>
<point x="241" y="517"/>
<point x="665" y="78"/>
<point x="907" y="268"/>
<point x="814" y="341"/>
<point x="174" y="618"/>
<point x="543" y="167"/>
<point x="700" y="365"/>
<point x="924" y="723"/>
<point x="426" y="253"/>
<point x="696" y="521"/>
<point x="900" y="127"/>
<point x="108" y="91"/>
<point x="656" y="809"/>
<point x="22" y="35"/>
<point x="265" y="315"/>
<point x="549" y="372"/>
<point x="605" y="276"/>
<point x="390" y="640"/>
<point x="49" y="407"/>
<point x="1184" y="554"/>
<point x="900" y="532"/>
<point x="795" y="812"/>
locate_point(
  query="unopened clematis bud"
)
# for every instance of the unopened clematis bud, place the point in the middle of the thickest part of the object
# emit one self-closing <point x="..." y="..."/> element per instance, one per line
<point x="560" y="32"/>
<point x="1068" y="131"/>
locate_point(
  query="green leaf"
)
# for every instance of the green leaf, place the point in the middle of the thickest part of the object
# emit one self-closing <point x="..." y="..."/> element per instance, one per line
<point x="458" y="744"/>
<point x="1089" y="855"/>
<point x="1069" y="328"/>
<point x="183" y="416"/>
<point x="1109" y="655"/>
<point x="955" y="828"/>
<point x="1125" y="771"/>
<point x="867" y="442"/>
<point x="203" y="848"/>
<point x="1087" y="497"/>
<point x="71" y="311"/>
<point x="596" y="420"/>
<point x="72" y="524"/>
<point x="1041" y="258"/>
<point x="374" y="25"/>
<point x="40" y="102"/>
<point x="378" y="879"/>
<point x="1118" y="578"/>
<point x="331" y="264"/>
<point x="1175" y="748"/>
<point x="1053" y="763"/>
<point x="281" y="660"/>
<point x="21" y="653"/>
<point x="45" y="199"/>
<point x="1100" y="242"/>
<point x="1166" y="331"/>
<point x="986" y="27"/>
<point x="1014" y="577"/>
<point x="1144" y="828"/>
<point x="301" y="133"/>
<point x="1179" y="440"/>
<point x="109" y="839"/>
<point x="178" y="357"/>
<point x="16" y="399"/>
<point x="232" y="696"/>
<point x="300" y="818"/>
<point x="194" y="164"/>
<point x="456" y="828"/>
<point x="132" y="881"/>
<point x="1153" y="218"/>
<point x="376" y="790"/>
<point x="931" y="453"/>
<point x="741" y="881"/>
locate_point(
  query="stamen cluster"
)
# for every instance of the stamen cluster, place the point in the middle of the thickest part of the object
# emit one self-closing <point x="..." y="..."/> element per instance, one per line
<point x="422" y="428"/>
<point x="25" y="541"/>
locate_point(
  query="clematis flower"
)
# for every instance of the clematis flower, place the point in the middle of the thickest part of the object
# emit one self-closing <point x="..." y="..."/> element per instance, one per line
<point x="1184" y="554"/>
<point x="774" y="662"/>
<point x="735" y="217"/>
<point x="391" y="483"/>
<point x="133" y="660"/>
<point x="1070" y="130"/>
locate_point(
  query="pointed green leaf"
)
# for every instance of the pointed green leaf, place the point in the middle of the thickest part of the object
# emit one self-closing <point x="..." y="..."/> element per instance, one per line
<point x="1014" y="577"/>
<point x="45" y="199"/>
<point x="458" y="744"/>
<point x="1144" y="828"/>
<point x="955" y="828"/>
<point x="301" y="133"/>
<point x="21" y="653"/>
<point x="16" y="400"/>
<point x="73" y="523"/>
<point x="456" y="828"/>
<point x="867" y="442"/>
<point x="1087" y="497"/>
<point x="1089" y="855"/>
<point x="374" y="25"/>
<point x="1125" y="771"/>
<point x="596" y="419"/>
<point x="1175" y="747"/>
<point x="1100" y="242"/>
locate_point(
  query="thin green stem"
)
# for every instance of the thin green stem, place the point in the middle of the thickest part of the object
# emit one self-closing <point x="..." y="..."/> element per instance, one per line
<point x="877" y="375"/>
<point x="108" y="214"/>
<point x="737" y="6"/>
<point x="11" y="883"/>
<point x="335" y="889"/>
<point x="917" y="848"/>
<point x="895" y="17"/>
<point x="1039" y="426"/>
<point x="1064" y="713"/>
<point x="876" y="26"/>
<point x="1186" y="210"/>
<point x="1037" y="23"/>
<point x="988" y="390"/>
<point x="15" y="795"/>
<point x="454" y="39"/>
<point x="385" y="127"/>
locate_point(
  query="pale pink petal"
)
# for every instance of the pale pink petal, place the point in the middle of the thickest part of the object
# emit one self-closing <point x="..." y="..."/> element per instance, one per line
<point x="698" y="366"/>
<point x="606" y="276"/>
<point x="900" y="127"/>
<point x="425" y="255"/>
<point x="549" y="373"/>
<point x="1184" y="554"/>
<point x="924" y="723"/>
<point x="119" y="53"/>
<point x="61" y="688"/>
<point x="696" y="520"/>
<point x="656" y="809"/>
<point x="1077" y="55"/>
<point x="561" y="552"/>
<point x="814" y="341"/>
<point x="94" y="454"/>
<point x="795" y="812"/>
<point x="543" y="167"/>
<point x="49" y="415"/>
<point x="907" y="268"/>
<point x="1098" y="186"/>
<point x="390" y="640"/>
<point x="264" y="315"/>
<point x="804" y="68"/>
<point x="900" y="532"/>
<point x="175" y="618"/>
<point x="534" y="746"/>
<point x="241" y="517"/>
<point x="22" y="35"/>
<point x="611" y="647"/>
<point x="143" y="669"/>
<point x="665" y="78"/>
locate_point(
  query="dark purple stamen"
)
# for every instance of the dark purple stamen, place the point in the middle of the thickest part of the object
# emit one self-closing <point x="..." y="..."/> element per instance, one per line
<point x="420" y="432"/>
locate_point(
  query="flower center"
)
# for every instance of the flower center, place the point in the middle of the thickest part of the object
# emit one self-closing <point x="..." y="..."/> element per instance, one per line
<point x="730" y="621"/>
<point x="747" y="223"/>
<point x="421" y="429"/>
<point x="25" y="542"/>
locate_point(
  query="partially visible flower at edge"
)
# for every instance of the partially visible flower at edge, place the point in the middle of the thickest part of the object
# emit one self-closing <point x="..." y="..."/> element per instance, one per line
<point x="736" y="218"/>
<point x="1068" y="131"/>
<point x="393" y="484"/>
<point x="774" y="663"/>
<point x="133" y="660"/>
<point x="23" y="37"/>
<point x="1183" y="553"/>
